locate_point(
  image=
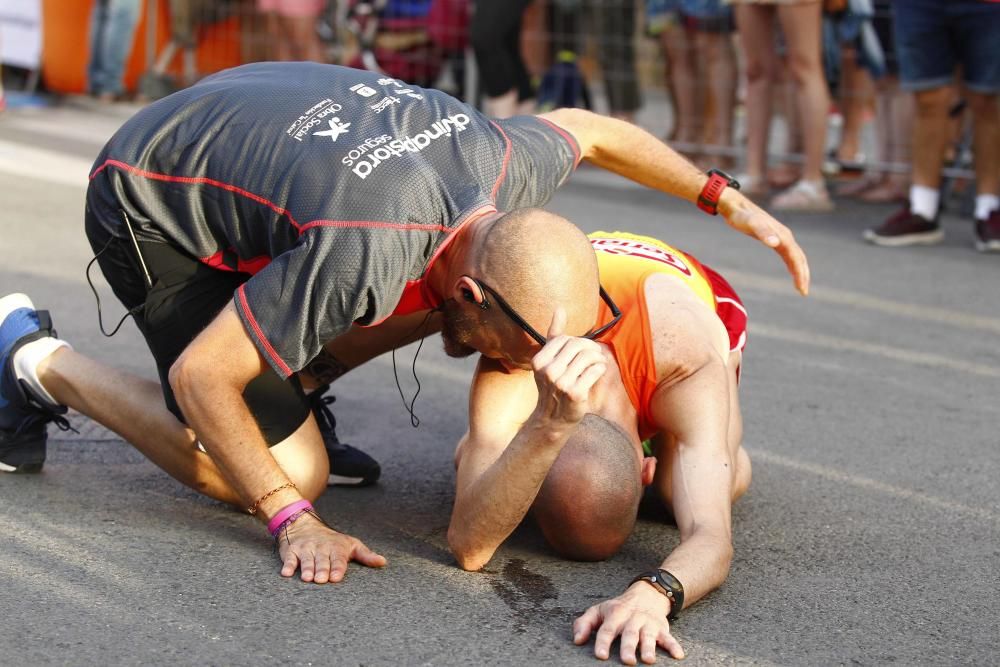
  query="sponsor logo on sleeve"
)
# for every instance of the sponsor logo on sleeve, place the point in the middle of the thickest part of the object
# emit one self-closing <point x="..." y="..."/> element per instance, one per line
<point x="367" y="156"/>
<point x="313" y="116"/>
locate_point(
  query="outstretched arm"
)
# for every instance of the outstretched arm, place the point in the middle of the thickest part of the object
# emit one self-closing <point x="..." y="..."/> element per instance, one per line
<point x="632" y="152"/>
<point x="514" y="440"/>
<point x="208" y="380"/>
<point x="692" y="408"/>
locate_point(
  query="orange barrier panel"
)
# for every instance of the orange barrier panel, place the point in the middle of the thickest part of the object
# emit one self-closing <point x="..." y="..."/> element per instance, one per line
<point x="66" y="45"/>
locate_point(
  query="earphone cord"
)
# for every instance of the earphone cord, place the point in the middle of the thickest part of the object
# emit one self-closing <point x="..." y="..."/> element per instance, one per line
<point x="100" y="321"/>
<point x="414" y="420"/>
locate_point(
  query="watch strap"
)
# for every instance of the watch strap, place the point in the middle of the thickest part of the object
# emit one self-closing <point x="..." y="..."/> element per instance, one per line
<point x="668" y="585"/>
<point x="718" y="180"/>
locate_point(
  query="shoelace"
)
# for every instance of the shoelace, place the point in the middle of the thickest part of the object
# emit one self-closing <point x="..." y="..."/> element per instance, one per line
<point x="327" y="421"/>
<point x="43" y="417"/>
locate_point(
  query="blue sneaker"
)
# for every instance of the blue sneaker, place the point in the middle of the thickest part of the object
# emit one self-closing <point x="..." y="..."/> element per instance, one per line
<point x="23" y="414"/>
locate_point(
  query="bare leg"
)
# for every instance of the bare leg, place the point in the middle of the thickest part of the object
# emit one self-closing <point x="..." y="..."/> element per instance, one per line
<point x="854" y="99"/>
<point x="756" y="28"/>
<point x="985" y="141"/>
<point x="931" y="133"/>
<point x="721" y="74"/>
<point x="279" y="48"/>
<point x="683" y="83"/>
<point x="134" y="409"/>
<point x="801" y="25"/>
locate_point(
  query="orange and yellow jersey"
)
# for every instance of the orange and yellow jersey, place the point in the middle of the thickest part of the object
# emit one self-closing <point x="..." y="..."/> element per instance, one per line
<point x="625" y="262"/>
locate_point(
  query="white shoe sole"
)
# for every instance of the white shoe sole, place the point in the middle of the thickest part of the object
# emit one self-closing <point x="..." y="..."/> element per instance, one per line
<point x="925" y="238"/>
<point x="13" y="302"/>
<point x="993" y="245"/>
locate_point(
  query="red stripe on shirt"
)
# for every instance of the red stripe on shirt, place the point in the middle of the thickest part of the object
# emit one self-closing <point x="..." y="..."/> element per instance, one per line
<point x="569" y="140"/>
<point x="241" y="295"/>
<point x="198" y="181"/>
<point x="506" y="161"/>
<point x="404" y="226"/>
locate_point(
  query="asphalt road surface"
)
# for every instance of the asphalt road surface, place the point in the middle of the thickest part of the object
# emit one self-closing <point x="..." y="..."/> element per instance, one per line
<point x="870" y="534"/>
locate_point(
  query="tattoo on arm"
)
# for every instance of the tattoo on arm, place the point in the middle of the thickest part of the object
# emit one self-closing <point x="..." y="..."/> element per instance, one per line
<point x="326" y="368"/>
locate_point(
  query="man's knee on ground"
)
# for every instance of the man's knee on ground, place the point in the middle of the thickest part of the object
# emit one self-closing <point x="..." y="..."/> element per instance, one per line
<point x="587" y="505"/>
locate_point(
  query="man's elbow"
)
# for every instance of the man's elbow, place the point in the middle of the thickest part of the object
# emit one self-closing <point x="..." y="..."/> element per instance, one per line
<point x="468" y="558"/>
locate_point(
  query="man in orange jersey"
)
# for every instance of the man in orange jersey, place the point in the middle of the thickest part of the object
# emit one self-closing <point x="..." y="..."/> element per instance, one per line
<point x="563" y="440"/>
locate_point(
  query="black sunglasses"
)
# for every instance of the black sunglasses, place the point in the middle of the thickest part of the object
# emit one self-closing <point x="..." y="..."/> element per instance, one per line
<point x="519" y="321"/>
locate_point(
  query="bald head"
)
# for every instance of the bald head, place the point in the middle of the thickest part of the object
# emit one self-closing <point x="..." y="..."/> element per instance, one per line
<point x="587" y="505"/>
<point x="538" y="260"/>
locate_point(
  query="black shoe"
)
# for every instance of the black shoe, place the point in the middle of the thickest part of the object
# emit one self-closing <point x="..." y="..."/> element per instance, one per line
<point x="988" y="233"/>
<point x="348" y="465"/>
<point x="906" y="228"/>
<point x="23" y="415"/>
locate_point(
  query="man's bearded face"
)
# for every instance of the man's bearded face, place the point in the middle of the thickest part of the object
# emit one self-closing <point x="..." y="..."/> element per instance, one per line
<point x="456" y="330"/>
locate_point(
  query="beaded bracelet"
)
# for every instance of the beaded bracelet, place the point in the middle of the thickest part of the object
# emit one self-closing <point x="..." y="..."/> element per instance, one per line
<point x="252" y="510"/>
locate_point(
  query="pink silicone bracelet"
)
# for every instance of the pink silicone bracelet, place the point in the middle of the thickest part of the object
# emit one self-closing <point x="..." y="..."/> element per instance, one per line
<point x="275" y="523"/>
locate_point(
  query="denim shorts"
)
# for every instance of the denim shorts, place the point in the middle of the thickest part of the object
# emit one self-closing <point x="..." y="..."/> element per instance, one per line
<point x="933" y="37"/>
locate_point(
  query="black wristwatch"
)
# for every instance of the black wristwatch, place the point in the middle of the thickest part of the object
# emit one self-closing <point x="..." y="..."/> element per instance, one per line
<point x="667" y="584"/>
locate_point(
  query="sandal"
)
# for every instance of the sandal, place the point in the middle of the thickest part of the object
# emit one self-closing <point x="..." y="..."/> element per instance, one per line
<point x="803" y="196"/>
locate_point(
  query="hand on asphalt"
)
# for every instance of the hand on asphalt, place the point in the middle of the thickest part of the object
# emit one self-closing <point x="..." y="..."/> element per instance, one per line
<point x="321" y="553"/>
<point x="638" y="616"/>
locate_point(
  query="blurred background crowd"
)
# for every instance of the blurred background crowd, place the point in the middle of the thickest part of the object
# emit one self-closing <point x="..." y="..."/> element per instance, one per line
<point x="806" y="102"/>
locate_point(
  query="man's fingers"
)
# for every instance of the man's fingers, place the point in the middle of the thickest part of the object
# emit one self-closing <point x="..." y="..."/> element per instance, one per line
<point x="558" y="324"/>
<point x="630" y="640"/>
<point x="647" y="645"/>
<point x="338" y="568"/>
<point x="610" y="629"/>
<point x="291" y="563"/>
<point x="307" y="566"/>
<point x="585" y="624"/>
<point x="321" y="574"/>
<point x="367" y="557"/>
<point x="669" y="644"/>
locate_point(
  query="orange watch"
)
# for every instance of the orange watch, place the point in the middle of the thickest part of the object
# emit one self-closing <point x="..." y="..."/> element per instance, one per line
<point x="718" y="180"/>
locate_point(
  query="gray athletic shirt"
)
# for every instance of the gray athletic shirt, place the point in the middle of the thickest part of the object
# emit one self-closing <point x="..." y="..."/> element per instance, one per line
<point x="333" y="187"/>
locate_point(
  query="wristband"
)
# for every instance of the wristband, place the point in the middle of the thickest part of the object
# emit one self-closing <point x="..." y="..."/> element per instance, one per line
<point x="274" y="525"/>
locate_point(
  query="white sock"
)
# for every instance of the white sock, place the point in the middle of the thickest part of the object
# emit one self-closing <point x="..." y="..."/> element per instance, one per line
<point x="26" y="362"/>
<point x="924" y="201"/>
<point x="986" y="204"/>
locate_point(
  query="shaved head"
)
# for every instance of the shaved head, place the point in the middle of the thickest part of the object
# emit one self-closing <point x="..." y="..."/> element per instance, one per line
<point x="538" y="260"/>
<point x="588" y="502"/>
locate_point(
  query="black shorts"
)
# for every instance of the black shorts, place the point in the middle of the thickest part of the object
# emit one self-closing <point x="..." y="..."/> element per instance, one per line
<point x="186" y="296"/>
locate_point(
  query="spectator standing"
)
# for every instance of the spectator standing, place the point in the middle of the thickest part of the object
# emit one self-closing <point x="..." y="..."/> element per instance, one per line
<point x="495" y="33"/>
<point x="882" y="181"/>
<point x="616" y="32"/>
<point x="800" y="22"/>
<point x="291" y="29"/>
<point x="112" y="31"/>
<point x="933" y="38"/>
